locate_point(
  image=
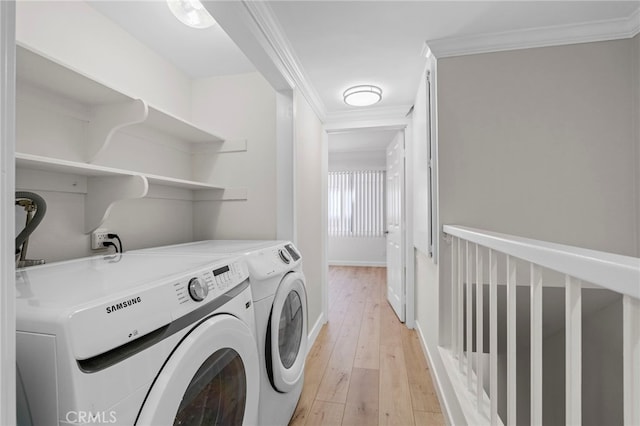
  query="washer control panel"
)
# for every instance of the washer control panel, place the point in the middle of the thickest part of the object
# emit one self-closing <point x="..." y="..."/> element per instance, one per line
<point x="146" y="306"/>
<point x="211" y="283"/>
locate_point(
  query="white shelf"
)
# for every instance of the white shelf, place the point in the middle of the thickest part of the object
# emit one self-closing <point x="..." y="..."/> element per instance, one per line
<point x="110" y="110"/>
<point x="105" y="112"/>
<point x="106" y="185"/>
<point x="37" y="162"/>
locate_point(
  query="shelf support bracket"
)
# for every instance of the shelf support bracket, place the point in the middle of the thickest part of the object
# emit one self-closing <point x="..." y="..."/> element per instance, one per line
<point x="107" y="119"/>
<point x="104" y="191"/>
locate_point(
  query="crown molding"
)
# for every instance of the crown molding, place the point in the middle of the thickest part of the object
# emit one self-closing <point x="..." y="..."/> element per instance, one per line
<point x="289" y="64"/>
<point x="605" y="30"/>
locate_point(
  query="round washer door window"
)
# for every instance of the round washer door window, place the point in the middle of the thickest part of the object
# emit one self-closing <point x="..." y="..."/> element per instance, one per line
<point x="217" y="393"/>
<point x="288" y="331"/>
<point x="212" y="378"/>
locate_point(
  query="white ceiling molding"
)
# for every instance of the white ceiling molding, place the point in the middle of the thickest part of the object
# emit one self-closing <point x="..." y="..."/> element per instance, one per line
<point x="265" y="19"/>
<point x="611" y="29"/>
<point x="380" y="113"/>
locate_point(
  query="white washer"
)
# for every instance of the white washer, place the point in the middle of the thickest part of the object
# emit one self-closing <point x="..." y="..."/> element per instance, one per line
<point x="131" y="339"/>
<point x="279" y="295"/>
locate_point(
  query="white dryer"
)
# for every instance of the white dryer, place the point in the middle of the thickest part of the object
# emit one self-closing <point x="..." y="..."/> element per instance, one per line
<point x="280" y="299"/>
<point x="130" y="339"/>
<point x="279" y="295"/>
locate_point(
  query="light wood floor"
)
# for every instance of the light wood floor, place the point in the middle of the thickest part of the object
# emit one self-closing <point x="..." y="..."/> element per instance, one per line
<point x="366" y="367"/>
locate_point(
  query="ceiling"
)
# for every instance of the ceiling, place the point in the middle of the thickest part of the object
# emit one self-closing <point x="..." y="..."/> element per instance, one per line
<point x="343" y="43"/>
<point x="337" y="44"/>
<point x="196" y="52"/>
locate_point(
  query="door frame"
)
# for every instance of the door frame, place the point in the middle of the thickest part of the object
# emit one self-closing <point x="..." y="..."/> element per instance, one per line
<point x="380" y="124"/>
<point x="7" y="213"/>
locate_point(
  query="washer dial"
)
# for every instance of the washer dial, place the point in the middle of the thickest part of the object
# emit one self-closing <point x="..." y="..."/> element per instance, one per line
<point x="197" y="290"/>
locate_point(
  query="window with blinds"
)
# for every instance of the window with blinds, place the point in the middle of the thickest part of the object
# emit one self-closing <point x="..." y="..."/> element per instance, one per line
<point x="356" y="203"/>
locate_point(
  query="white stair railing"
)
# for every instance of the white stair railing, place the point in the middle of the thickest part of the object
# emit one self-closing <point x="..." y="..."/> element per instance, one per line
<point x="582" y="268"/>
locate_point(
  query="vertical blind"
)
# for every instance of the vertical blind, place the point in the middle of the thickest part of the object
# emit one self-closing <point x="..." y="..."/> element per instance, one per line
<point x="356" y="203"/>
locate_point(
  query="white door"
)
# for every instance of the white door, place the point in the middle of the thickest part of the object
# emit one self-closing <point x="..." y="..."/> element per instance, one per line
<point x="212" y="377"/>
<point x="395" y="225"/>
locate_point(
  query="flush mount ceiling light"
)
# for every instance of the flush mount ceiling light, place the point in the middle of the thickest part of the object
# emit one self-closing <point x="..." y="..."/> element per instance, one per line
<point x="363" y="95"/>
<point x="191" y="13"/>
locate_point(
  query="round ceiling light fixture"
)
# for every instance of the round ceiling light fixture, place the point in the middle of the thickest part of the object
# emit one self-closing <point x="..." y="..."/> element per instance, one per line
<point x="363" y="95"/>
<point x="191" y="13"/>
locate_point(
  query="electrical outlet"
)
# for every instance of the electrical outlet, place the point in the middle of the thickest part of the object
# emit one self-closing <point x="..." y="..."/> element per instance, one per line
<point x="98" y="237"/>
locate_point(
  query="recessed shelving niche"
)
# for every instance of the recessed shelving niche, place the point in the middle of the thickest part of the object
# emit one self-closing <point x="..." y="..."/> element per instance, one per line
<point x="103" y="114"/>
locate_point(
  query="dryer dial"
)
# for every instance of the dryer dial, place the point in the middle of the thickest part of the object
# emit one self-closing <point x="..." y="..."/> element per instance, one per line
<point x="284" y="256"/>
<point x="197" y="290"/>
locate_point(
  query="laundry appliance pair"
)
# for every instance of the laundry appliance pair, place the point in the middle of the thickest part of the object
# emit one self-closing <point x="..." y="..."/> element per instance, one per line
<point x="280" y="303"/>
<point x="145" y="339"/>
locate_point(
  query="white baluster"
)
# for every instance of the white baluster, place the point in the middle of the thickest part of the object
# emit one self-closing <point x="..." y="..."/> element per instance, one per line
<point x="493" y="335"/>
<point x="459" y="310"/>
<point x="469" y="318"/>
<point x="511" y="341"/>
<point x="573" y="351"/>
<point x="536" y="345"/>
<point x="454" y="294"/>
<point x="631" y="359"/>
<point x="479" y="325"/>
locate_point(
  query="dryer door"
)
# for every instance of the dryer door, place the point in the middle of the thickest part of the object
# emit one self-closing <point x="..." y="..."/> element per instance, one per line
<point x="286" y="344"/>
<point x="210" y="379"/>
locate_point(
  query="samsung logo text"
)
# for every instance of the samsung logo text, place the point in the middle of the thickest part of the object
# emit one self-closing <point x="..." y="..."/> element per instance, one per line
<point x="124" y="304"/>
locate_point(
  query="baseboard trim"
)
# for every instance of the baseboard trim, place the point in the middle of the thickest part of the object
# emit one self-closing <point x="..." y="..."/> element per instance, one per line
<point x="357" y="263"/>
<point x="315" y="331"/>
<point x="435" y="376"/>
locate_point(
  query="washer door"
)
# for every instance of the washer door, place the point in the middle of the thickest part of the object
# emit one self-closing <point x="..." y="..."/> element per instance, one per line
<point x="286" y="344"/>
<point x="210" y="379"/>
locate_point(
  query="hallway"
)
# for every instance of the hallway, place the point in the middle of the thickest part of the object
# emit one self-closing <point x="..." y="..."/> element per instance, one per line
<point x="365" y="368"/>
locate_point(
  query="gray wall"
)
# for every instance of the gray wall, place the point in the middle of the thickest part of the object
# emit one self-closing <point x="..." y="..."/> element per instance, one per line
<point x="538" y="143"/>
<point x="542" y="143"/>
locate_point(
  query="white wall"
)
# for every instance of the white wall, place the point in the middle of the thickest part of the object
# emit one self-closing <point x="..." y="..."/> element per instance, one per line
<point x="77" y="35"/>
<point x="427" y="299"/>
<point x="357" y="160"/>
<point x="7" y="275"/>
<point x="239" y="107"/>
<point x="356" y="251"/>
<point x="635" y="83"/>
<point x="242" y="107"/>
<point x="309" y="187"/>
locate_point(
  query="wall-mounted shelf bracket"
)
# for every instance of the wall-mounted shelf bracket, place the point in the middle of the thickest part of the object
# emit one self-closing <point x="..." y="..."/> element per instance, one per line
<point x="104" y="191"/>
<point x="107" y="119"/>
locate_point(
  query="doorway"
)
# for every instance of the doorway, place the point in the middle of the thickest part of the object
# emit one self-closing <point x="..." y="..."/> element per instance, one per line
<point x="357" y="184"/>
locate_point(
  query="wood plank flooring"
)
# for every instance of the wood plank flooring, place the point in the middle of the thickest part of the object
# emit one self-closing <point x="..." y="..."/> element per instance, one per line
<point x="365" y="368"/>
